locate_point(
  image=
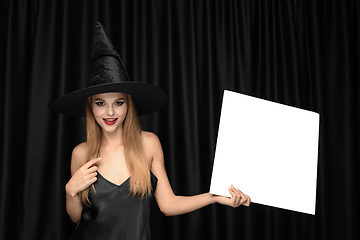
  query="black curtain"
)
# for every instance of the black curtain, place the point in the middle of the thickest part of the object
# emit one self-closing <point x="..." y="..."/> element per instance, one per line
<point x="302" y="53"/>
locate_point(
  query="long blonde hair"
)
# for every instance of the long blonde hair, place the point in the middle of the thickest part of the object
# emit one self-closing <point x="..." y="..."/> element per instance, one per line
<point x="134" y="152"/>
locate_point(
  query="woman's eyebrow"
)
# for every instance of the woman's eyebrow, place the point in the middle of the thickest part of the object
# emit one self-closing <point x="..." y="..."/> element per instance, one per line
<point x="100" y="99"/>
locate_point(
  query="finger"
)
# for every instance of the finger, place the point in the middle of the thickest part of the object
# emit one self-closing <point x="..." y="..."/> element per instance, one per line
<point x="92" y="169"/>
<point x="235" y="197"/>
<point x="232" y="192"/>
<point x="91" y="181"/>
<point x="245" y="200"/>
<point x="91" y="162"/>
<point x="241" y="198"/>
<point x="236" y="191"/>
<point x="247" y="203"/>
<point x="241" y="193"/>
<point x="232" y="198"/>
<point x="92" y="175"/>
<point x="93" y="178"/>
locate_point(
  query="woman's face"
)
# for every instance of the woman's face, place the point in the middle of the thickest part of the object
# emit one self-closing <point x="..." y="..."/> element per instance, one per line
<point x="109" y="110"/>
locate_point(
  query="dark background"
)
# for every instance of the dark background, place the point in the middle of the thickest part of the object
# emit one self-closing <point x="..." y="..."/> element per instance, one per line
<point x="303" y="53"/>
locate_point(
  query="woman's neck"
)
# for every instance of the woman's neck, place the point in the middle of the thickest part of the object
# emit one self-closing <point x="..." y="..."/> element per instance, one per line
<point x="112" y="139"/>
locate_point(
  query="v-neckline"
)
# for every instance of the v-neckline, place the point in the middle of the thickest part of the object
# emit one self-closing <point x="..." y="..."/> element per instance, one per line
<point x="112" y="182"/>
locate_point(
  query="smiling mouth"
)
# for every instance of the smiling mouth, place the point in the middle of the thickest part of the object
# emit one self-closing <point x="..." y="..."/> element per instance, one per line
<point x="110" y="121"/>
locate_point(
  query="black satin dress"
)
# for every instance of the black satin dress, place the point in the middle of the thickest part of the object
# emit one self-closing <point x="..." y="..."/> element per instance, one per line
<point x="114" y="214"/>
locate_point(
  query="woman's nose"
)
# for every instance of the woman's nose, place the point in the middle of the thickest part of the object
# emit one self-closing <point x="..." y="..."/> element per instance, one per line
<point x="110" y="110"/>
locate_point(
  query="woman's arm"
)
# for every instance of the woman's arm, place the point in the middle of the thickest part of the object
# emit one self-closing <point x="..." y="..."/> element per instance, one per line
<point x="83" y="175"/>
<point x="168" y="202"/>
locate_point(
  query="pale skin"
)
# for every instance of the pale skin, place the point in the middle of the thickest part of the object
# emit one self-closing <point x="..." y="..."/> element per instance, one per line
<point x="110" y="110"/>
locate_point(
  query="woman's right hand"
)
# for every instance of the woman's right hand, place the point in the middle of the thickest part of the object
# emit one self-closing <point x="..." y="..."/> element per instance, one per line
<point x="82" y="178"/>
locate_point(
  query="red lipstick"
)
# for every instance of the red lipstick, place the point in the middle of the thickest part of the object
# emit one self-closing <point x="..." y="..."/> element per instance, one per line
<point x="110" y="121"/>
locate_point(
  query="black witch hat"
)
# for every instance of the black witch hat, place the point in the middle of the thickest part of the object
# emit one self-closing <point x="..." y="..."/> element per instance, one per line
<point x="107" y="74"/>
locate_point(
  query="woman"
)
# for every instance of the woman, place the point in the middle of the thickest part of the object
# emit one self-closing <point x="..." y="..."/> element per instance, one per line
<point x="118" y="170"/>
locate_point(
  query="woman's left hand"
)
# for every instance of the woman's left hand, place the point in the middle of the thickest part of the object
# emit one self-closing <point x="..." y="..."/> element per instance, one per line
<point x="237" y="199"/>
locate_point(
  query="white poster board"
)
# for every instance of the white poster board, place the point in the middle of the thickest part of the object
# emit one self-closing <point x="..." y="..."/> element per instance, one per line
<point x="267" y="150"/>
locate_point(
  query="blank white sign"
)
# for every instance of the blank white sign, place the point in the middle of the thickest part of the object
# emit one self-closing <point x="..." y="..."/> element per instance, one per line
<point x="267" y="150"/>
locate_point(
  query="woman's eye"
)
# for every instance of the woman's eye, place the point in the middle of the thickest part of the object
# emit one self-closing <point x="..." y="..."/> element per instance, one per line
<point x="100" y="103"/>
<point x="119" y="103"/>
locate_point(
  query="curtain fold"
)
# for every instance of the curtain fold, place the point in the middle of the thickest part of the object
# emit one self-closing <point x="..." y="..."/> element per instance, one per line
<point x="301" y="53"/>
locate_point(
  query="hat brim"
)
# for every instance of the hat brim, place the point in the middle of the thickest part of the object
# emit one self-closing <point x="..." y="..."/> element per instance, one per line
<point x="148" y="98"/>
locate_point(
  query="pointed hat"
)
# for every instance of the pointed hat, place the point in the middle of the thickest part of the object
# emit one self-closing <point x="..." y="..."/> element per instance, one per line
<point x="107" y="74"/>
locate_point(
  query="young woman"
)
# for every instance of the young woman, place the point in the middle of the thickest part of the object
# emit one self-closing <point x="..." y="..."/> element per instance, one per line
<point x="120" y="168"/>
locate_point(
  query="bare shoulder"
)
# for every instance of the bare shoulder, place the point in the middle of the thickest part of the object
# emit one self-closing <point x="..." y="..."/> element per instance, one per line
<point x="149" y="137"/>
<point x="151" y="143"/>
<point x="79" y="156"/>
<point x="80" y="150"/>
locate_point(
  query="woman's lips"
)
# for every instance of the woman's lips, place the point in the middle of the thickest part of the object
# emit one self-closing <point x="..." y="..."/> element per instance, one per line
<point x="110" y="121"/>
